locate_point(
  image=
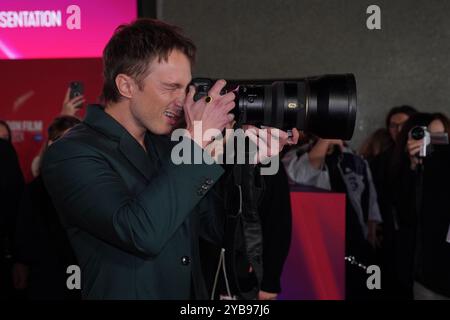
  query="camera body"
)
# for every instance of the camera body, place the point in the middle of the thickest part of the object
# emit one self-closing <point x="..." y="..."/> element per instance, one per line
<point x="419" y="133"/>
<point x="322" y="105"/>
<point x="429" y="139"/>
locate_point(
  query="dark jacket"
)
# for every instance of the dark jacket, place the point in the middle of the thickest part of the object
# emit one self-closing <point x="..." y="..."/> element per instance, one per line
<point x="11" y="186"/>
<point x="432" y="254"/>
<point x="133" y="218"/>
<point x="276" y="219"/>
<point x="42" y="244"/>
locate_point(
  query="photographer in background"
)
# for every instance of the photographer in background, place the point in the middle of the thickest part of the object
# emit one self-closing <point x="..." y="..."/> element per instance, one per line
<point x="72" y="103"/>
<point x="405" y="191"/>
<point x="439" y="124"/>
<point x="70" y="107"/>
<point x="407" y="188"/>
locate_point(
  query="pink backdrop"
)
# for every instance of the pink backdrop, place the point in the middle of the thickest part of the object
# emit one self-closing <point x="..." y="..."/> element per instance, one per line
<point x="38" y="62"/>
<point x="315" y="266"/>
<point x="33" y="93"/>
<point x="98" y="20"/>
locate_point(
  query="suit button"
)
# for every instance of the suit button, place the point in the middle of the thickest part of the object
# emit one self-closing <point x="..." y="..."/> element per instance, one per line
<point x="185" y="260"/>
<point x="209" y="181"/>
<point x="205" y="187"/>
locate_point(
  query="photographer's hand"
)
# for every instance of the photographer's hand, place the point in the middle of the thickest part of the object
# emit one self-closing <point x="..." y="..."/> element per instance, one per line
<point x="269" y="141"/>
<point x="211" y="115"/>
<point x="413" y="148"/>
<point x="263" y="295"/>
<point x="71" y="106"/>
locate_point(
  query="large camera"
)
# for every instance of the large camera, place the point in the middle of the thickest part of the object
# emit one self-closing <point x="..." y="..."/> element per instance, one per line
<point x="429" y="139"/>
<point x="322" y="105"/>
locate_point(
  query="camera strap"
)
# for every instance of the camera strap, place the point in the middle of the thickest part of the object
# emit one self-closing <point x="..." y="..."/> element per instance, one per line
<point x="243" y="232"/>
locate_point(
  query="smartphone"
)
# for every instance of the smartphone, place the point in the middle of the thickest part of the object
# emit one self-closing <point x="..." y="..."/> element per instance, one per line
<point x="76" y="89"/>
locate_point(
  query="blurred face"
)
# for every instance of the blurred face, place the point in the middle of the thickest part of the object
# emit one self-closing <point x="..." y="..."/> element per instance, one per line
<point x="159" y="105"/>
<point x="436" y="126"/>
<point x="4" y="133"/>
<point x="396" y="123"/>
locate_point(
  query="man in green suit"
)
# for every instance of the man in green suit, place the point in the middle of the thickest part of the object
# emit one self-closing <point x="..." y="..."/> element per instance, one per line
<point x="128" y="210"/>
<point x="134" y="217"/>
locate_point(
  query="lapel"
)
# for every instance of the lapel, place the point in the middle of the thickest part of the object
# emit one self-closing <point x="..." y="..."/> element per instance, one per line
<point x="137" y="156"/>
<point x="145" y="163"/>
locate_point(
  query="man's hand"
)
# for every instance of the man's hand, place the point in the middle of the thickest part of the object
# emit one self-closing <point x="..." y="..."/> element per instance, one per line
<point x="71" y="106"/>
<point x="263" y="295"/>
<point x="269" y="141"/>
<point x="213" y="115"/>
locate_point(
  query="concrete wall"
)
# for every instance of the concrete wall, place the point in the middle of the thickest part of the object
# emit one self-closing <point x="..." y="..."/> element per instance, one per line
<point x="406" y="62"/>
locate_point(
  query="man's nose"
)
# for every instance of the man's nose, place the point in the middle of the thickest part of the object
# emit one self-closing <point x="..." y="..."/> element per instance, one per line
<point x="181" y="97"/>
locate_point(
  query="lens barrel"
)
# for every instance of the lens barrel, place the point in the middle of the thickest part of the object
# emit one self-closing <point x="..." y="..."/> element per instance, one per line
<point x="323" y="105"/>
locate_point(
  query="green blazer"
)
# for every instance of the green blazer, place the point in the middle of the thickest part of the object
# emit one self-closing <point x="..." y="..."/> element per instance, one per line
<point x="133" y="218"/>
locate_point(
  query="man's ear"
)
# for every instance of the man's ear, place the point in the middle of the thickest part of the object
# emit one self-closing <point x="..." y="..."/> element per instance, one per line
<point x="125" y="84"/>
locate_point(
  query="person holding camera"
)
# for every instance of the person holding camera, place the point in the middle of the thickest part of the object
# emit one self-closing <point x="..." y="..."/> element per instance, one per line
<point x="72" y="103"/>
<point x="70" y="107"/>
<point x="408" y="170"/>
<point x="405" y="177"/>
<point x="133" y="216"/>
<point x="439" y="124"/>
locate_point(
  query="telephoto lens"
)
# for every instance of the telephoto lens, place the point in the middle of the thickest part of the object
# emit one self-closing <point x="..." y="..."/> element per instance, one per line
<point x="322" y="105"/>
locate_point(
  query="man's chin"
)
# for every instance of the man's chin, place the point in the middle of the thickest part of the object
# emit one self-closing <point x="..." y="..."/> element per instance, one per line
<point x="162" y="131"/>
